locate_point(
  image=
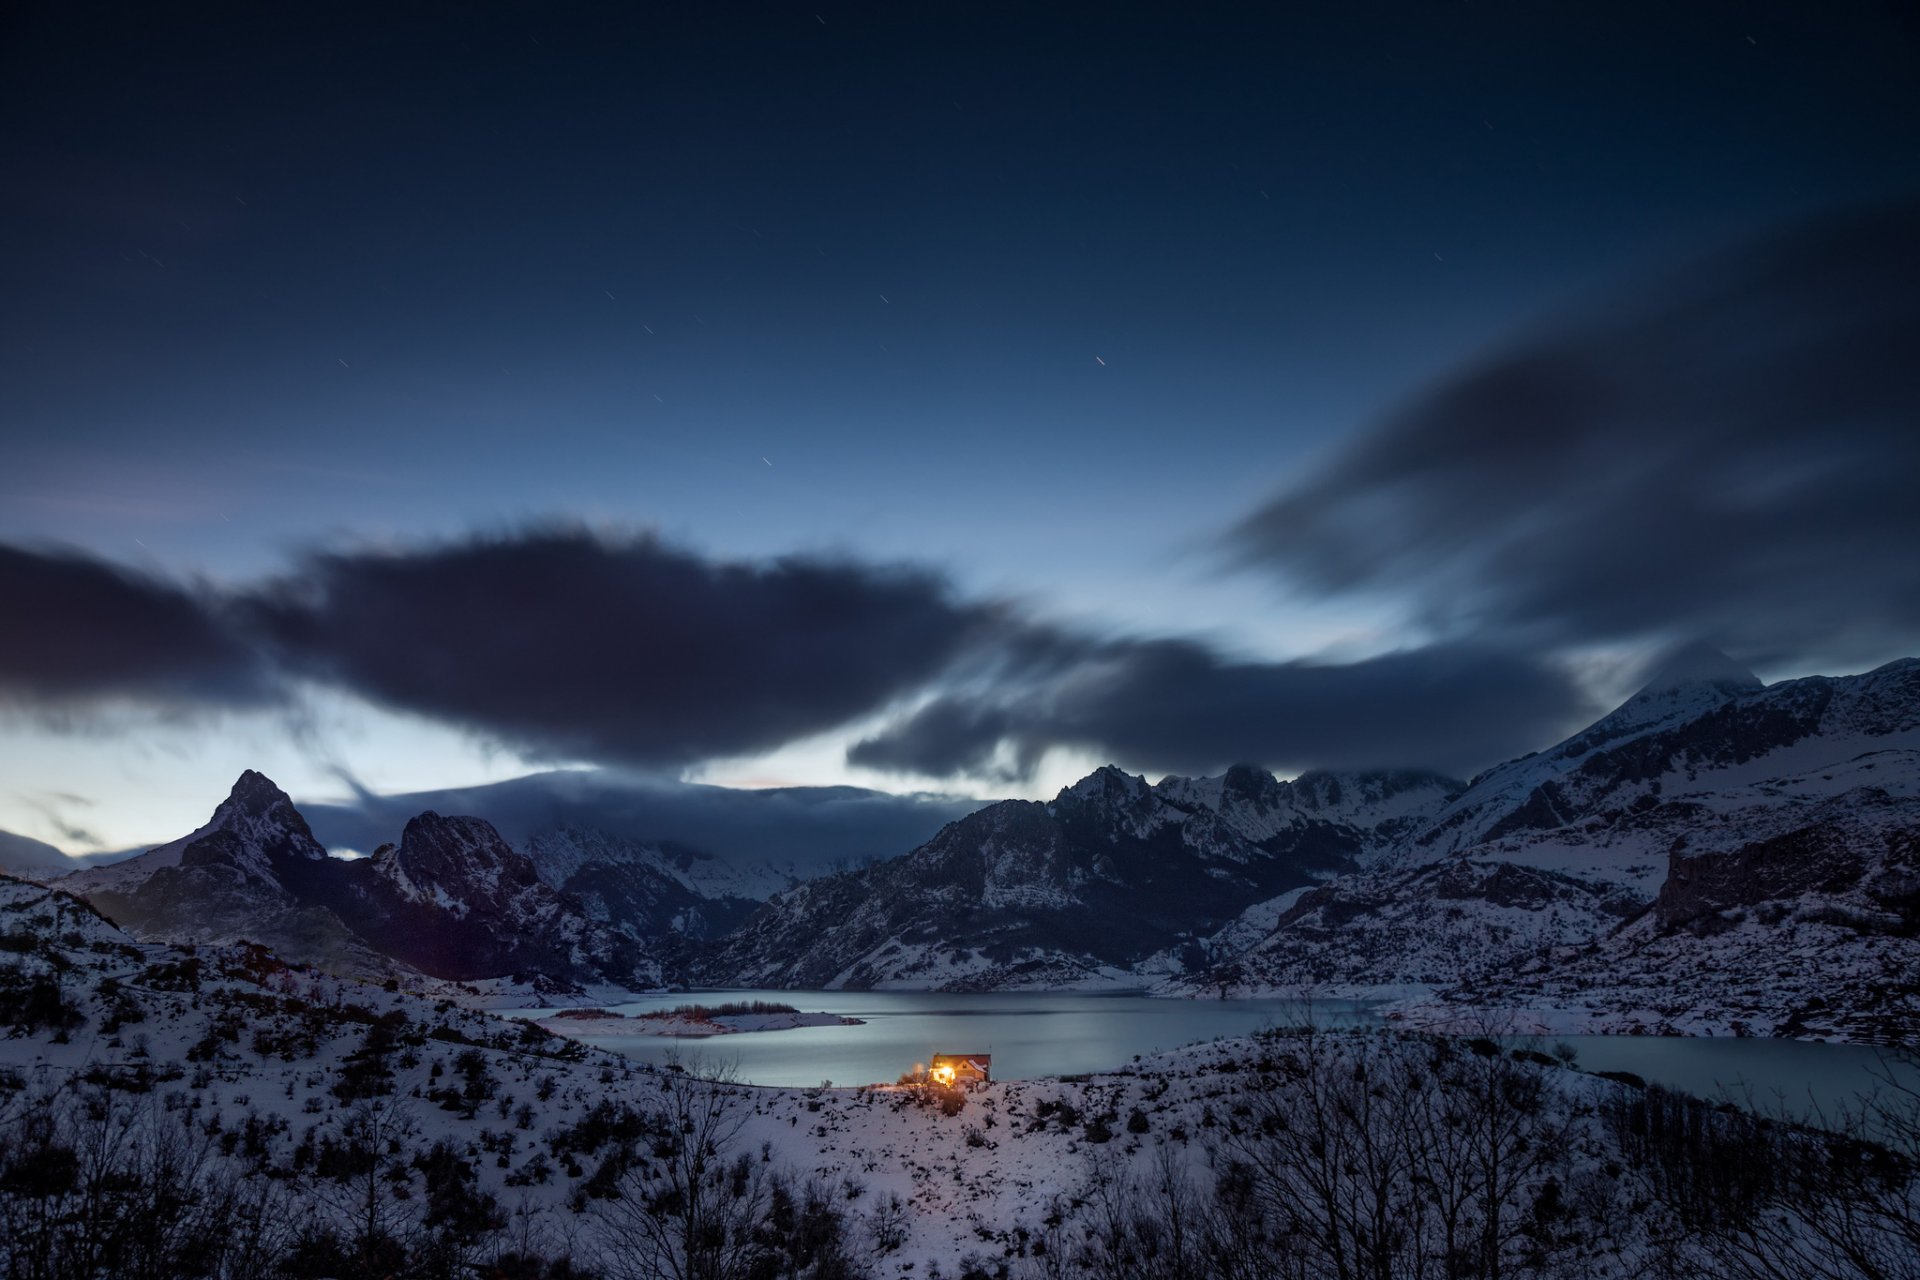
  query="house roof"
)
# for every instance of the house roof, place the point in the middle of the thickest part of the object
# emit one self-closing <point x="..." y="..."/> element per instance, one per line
<point x="963" y="1057"/>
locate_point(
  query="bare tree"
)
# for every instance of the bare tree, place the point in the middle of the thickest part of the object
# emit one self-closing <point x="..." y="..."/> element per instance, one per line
<point x="1321" y="1161"/>
<point x="1143" y="1226"/>
<point x="689" y="1209"/>
<point x="1488" y="1151"/>
<point x="1844" y="1204"/>
<point x="357" y="1174"/>
<point x="96" y="1182"/>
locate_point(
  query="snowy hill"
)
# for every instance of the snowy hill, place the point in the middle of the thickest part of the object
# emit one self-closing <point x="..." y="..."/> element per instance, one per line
<point x="214" y="1111"/>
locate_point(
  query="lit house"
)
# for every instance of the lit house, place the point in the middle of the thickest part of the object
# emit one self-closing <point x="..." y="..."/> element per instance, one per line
<point x="961" y="1069"/>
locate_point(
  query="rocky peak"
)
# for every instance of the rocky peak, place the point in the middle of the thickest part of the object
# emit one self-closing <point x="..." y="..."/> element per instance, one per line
<point x="1250" y="784"/>
<point x="453" y="860"/>
<point x="254" y="793"/>
<point x="256" y="830"/>
<point x="1109" y="784"/>
<point x="256" y="806"/>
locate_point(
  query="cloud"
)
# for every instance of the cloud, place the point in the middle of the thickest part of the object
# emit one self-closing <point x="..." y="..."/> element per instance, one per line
<point x="1175" y="706"/>
<point x="569" y="645"/>
<point x="565" y="644"/>
<point x="1728" y="453"/>
<point x="82" y="634"/>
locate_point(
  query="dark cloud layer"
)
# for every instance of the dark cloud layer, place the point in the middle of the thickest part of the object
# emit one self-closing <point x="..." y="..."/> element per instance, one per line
<point x="562" y="643"/>
<point x="1173" y="705"/>
<point x="81" y="632"/>
<point x="569" y="645"/>
<point x="1732" y="453"/>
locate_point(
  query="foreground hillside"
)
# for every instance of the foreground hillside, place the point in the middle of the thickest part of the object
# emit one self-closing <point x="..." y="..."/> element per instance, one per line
<point x="212" y="1112"/>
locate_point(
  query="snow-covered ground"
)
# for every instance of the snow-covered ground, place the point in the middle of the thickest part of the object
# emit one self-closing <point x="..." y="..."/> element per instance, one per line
<point x="292" y="1065"/>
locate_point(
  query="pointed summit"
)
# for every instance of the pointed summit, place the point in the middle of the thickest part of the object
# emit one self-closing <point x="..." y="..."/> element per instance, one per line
<point x="1699" y="663"/>
<point x="254" y="794"/>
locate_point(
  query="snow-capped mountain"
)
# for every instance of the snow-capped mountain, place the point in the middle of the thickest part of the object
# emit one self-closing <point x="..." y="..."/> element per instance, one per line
<point x="1706" y="735"/>
<point x="252" y="871"/>
<point x="1713" y="854"/>
<point x="1111" y="875"/>
<point x="1652" y="870"/>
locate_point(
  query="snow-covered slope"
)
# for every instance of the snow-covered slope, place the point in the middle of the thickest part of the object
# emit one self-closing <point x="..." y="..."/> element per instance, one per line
<point x="304" y="1124"/>
<point x="1719" y="743"/>
<point x="1379" y="805"/>
<point x="1709" y="821"/>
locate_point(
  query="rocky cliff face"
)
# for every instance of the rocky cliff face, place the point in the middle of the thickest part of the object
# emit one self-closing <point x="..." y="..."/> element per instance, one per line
<point x="1858" y="851"/>
<point x="453" y="900"/>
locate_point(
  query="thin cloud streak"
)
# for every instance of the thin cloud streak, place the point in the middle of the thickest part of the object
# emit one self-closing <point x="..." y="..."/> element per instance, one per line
<point x="1728" y="453"/>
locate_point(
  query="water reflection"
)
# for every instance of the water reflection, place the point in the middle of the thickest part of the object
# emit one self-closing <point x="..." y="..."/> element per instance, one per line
<point x="1034" y="1034"/>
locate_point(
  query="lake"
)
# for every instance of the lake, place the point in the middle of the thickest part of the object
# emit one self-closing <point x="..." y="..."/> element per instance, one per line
<point x="1033" y="1034"/>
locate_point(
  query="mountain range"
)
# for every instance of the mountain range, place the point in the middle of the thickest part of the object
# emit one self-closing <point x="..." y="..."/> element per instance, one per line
<point x="451" y="899"/>
<point x="1714" y="854"/>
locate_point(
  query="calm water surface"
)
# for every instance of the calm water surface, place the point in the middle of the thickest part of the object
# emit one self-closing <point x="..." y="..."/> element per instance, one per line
<point x="1033" y="1034"/>
<point x="1029" y="1034"/>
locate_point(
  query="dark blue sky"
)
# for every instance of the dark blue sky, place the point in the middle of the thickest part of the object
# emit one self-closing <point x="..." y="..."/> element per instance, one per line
<point x="1041" y="299"/>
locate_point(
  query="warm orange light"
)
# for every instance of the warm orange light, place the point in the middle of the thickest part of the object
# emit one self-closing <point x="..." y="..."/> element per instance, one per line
<point x="943" y="1074"/>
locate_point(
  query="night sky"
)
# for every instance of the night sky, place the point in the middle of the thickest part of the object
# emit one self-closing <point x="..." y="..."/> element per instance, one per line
<point x="929" y="398"/>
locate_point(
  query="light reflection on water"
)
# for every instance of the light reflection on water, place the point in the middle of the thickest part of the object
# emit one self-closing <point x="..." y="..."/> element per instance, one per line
<point x="1033" y="1034"/>
<point x="1029" y="1034"/>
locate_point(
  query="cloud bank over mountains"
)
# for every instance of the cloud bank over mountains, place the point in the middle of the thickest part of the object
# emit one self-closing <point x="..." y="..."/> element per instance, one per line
<point x="567" y="644"/>
<point x="1176" y="706"/>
